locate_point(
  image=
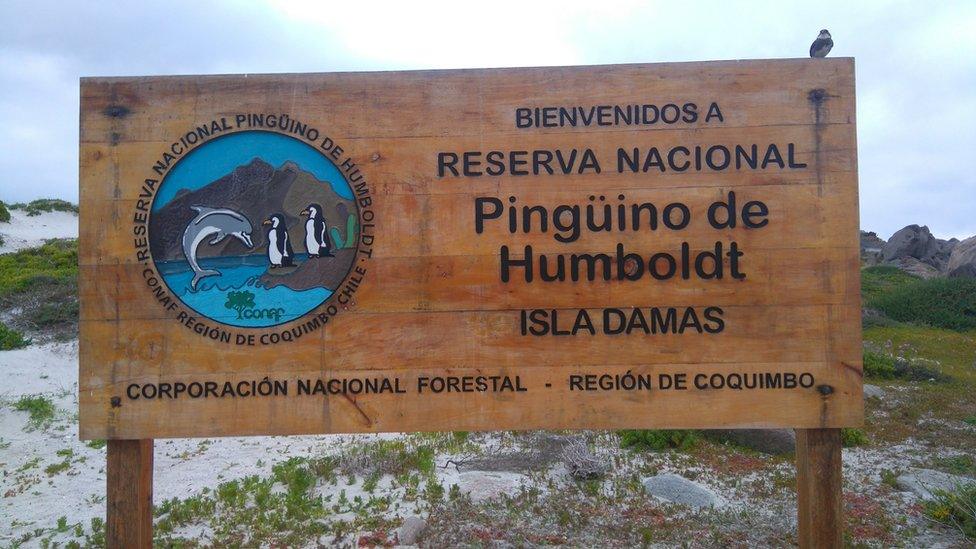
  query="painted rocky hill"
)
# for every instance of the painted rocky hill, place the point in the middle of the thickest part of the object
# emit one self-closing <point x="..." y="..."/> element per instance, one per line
<point x="315" y="272"/>
<point x="257" y="190"/>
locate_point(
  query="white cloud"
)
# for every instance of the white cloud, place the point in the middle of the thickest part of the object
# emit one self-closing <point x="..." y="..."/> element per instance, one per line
<point x="916" y="68"/>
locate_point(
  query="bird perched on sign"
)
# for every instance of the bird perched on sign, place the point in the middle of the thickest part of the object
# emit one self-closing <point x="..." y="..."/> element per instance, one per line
<point x="821" y="46"/>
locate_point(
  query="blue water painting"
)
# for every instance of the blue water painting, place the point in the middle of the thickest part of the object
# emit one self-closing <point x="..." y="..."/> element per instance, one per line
<point x="224" y="154"/>
<point x="264" y="307"/>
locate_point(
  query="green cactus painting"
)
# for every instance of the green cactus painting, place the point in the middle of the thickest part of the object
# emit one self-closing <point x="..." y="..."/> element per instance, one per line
<point x="350" y="239"/>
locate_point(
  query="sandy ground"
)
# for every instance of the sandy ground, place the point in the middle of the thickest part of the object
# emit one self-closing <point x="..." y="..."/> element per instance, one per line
<point x="34" y="499"/>
<point x="24" y="232"/>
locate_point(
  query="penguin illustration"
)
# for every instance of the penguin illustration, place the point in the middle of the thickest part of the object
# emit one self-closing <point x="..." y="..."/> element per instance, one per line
<point x="316" y="232"/>
<point x="280" y="253"/>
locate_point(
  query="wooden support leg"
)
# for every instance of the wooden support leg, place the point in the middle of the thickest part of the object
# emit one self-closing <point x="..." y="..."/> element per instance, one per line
<point x="818" y="488"/>
<point x="128" y="501"/>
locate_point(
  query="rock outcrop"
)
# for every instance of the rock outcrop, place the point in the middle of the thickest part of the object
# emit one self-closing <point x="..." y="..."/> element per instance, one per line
<point x="962" y="262"/>
<point x="915" y="250"/>
<point x="677" y="489"/>
<point x="314" y="272"/>
<point x="410" y="531"/>
<point x="924" y="483"/>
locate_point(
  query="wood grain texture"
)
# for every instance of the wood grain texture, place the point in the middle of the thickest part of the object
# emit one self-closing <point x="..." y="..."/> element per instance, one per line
<point x="128" y="502"/>
<point x="818" y="489"/>
<point x="432" y="301"/>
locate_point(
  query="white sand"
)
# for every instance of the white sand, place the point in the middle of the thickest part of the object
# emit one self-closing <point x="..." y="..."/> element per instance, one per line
<point x="31" y="498"/>
<point x="24" y="231"/>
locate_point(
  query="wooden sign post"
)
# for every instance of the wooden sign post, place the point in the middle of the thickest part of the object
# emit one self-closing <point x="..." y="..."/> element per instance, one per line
<point x="632" y="246"/>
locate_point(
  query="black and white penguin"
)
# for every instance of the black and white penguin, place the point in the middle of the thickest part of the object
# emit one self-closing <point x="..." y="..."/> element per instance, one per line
<point x="280" y="253"/>
<point x="316" y="232"/>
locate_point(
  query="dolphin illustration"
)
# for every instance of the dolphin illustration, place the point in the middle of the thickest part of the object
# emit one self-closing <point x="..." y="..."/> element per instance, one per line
<point x="218" y="222"/>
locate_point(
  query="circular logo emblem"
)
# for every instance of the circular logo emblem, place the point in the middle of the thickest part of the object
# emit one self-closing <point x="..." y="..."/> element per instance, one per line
<point x="254" y="229"/>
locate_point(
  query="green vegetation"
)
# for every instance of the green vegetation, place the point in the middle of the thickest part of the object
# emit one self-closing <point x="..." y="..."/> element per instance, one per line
<point x="955" y="508"/>
<point x="390" y="457"/>
<point x="890" y="478"/>
<point x="4" y="214"/>
<point x="36" y="207"/>
<point x="96" y="444"/>
<point x="877" y="280"/>
<point x="42" y="283"/>
<point x="939" y="302"/>
<point x="653" y="439"/>
<point x="59" y="467"/>
<point x="239" y="301"/>
<point x="56" y="260"/>
<point x="878" y="365"/>
<point x="286" y="510"/>
<point x="850" y="437"/>
<point x="40" y="408"/>
<point x="350" y="240"/>
<point x="962" y="464"/>
<point x="926" y="353"/>
<point x="11" y="339"/>
<point x="250" y="511"/>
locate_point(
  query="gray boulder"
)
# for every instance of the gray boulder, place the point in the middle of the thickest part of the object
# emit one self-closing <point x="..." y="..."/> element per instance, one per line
<point x="677" y="489"/>
<point x="873" y="391"/>
<point x="916" y="267"/>
<point x="767" y="441"/>
<point x="917" y="242"/>
<point x="409" y="532"/>
<point x="924" y="482"/>
<point x="962" y="262"/>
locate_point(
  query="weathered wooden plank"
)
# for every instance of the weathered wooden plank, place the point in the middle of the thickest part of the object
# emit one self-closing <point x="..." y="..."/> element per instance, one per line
<point x="418" y="291"/>
<point x="491" y="337"/>
<point x="818" y="489"/>
<point x="128" y="502"/>
<point x="472" y="102"/>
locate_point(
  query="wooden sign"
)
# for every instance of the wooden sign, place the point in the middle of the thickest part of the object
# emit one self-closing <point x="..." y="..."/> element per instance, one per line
<point x="670" y="246"/>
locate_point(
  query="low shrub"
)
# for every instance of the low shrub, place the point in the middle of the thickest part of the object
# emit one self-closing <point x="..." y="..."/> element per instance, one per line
<point x="36" y="207"/>
<point x="889" y="478"/>
<point x="41" y="286"/>
<point x="40" y="408"/>
<point x="948" y="303"/>
<point x="654" y="439"/>
<point x="11" y="339"/>
<point x="878" y="365"/>
<point x="873" y="318"/>
<point x="955" y="508"/>
<point x="878" y="280"/>
<point x="850" y="437"/>
<point x="959" y="464"/>
<point x="4" y="213"/>
<point x="56" y="260"/>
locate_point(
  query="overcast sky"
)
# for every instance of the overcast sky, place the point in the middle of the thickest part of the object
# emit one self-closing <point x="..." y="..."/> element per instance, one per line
<point x="916" y="68"/>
